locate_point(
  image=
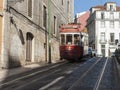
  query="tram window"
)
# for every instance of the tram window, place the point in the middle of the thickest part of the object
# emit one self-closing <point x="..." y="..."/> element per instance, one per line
<point x="62" y="39"/>
<point x="76" y="39"/>
<point x="69" y="39"/>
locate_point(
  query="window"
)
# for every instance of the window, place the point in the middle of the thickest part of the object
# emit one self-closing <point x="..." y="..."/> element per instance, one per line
<point x="112" y="24"/>
<point x="69" y="38"/>
<point x="102" y="36"/>
<point x="119" y="15"/>
<point x="102" y="15"/>
<point x="76" y="39"/>
<point x="30" y="8"/>
<point x="116" y="41"/>
<point x="62" y="2"/>
<point x="103" y="46"/>
<point x="102" y="24"/>
<point x="68" y="6"/>
<point x="112" y="37"/>
<point x="111" y="15"/>
<point x="54" y="25"/>
<point x="119" y="37"/>
<point x="111" y="7"/>
<point x="62" y="39"/>
<point x="44" y="17"/>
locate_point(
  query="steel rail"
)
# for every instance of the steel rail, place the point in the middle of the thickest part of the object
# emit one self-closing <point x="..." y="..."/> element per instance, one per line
<point x="100" y="76"/>
<point x="45" y="76"/>
<point x="85" y="73"/>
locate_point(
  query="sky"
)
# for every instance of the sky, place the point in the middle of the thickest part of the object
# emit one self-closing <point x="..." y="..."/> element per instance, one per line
<point x="85" y="5"/>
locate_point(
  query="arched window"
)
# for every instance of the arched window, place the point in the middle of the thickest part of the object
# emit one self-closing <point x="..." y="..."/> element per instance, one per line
<point x="44" y="16"/>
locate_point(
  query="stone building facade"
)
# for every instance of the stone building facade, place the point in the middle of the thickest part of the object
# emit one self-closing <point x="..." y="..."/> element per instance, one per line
<point x="1" y="23"/>
<point x="30" y="32"/>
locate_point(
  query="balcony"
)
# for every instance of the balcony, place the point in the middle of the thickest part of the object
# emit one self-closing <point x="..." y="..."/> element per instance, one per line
<point x="102" y="41"/>
<point x="111" y="43"/>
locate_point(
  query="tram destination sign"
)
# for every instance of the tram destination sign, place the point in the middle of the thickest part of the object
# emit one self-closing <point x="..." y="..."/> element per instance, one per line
<point x="70" y="26"/>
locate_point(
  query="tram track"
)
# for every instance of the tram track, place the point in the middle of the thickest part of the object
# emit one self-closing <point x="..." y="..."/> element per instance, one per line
<point x="91" y="79"/>
<point x="89" y="75"/>
<point x="85" y="73"/>
<point x="79" y="73"/>
<point x="29" y="74"/>
<point x="32" y="72"/>
<point x="100" y="76"/>
<point x="39" y="76"/>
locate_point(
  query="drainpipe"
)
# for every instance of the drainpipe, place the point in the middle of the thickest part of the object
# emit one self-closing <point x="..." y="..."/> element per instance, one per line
<point x="49" y="30"/>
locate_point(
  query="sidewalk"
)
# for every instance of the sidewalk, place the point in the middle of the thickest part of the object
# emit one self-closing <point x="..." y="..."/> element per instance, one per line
<point x="14" y="71"/>
<point x="117" y="74"/>
<point x="9" y="72"/>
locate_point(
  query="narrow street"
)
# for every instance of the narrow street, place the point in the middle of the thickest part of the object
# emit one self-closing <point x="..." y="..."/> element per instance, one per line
<point x="92" y="74"/>
<point x="59" y="45"/>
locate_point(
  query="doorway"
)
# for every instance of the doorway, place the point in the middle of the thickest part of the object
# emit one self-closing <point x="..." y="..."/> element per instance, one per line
<point x="103" y="50"/>
<point x="29" y="40"/>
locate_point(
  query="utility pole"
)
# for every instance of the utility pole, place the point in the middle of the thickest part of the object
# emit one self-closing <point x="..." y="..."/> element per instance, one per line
<point x="49" y="30"/>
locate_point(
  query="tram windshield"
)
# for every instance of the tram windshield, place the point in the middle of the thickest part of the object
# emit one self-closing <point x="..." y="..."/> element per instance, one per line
<point x="70" y="39"/>
<point x="76" y="39"/>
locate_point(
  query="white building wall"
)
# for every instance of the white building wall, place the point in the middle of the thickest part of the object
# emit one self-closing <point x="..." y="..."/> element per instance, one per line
<point x="107" y="29"/>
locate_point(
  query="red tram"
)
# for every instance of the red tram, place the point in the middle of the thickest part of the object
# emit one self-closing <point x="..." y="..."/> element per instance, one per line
<point x="71" y="43"/>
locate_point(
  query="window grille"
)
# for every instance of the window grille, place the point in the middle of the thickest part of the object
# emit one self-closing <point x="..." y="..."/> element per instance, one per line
<point x="30" y="8"/>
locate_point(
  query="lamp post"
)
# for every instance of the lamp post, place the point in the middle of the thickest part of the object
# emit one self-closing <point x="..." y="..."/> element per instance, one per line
<point x="49" y="30"/>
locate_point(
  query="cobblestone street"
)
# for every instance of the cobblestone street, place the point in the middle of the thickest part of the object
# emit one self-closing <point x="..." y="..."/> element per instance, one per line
<point x="92" y="74"/>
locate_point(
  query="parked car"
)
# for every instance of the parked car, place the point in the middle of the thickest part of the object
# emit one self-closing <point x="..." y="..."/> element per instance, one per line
<point x="91" y="52"/>
<point x="117" y="54"/>
<point x="113" y="54"/>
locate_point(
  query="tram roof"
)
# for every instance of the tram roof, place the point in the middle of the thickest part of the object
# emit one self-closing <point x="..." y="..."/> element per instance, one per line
<point x="70" y="28"/>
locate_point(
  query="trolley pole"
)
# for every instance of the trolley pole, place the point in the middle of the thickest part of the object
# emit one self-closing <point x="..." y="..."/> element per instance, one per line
<point x="49" y="30"/>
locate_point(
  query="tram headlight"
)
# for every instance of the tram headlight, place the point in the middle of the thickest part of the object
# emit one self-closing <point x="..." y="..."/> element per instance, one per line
<point x="69" y="48"/>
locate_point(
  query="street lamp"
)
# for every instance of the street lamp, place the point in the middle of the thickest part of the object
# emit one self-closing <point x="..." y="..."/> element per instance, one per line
<point x="49" y="30"/>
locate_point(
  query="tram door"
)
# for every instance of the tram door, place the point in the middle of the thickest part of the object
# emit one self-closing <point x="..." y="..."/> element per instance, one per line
<point x="29" y="39"/>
